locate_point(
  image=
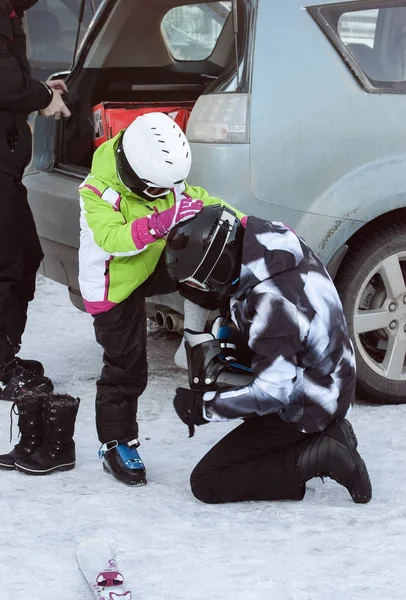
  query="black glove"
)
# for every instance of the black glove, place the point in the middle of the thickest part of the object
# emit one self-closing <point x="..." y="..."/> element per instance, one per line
<point x="189" y="407"/>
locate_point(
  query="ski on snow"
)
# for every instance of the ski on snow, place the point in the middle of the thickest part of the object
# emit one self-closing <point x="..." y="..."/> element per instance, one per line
<point x="97" y="562"/>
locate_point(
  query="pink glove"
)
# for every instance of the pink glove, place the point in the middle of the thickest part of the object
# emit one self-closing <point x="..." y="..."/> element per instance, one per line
<point x="160" y="223"/>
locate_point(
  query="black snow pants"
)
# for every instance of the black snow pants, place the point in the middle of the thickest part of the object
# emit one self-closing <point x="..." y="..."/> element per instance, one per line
<point x="255" y="461"/>
<point x="122" y="332"/>
<point x="20" y="257"/>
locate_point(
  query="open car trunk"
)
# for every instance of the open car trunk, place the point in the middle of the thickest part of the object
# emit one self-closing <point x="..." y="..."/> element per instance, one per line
<point x="167" y="54"/>
<point x="133" y="57"/>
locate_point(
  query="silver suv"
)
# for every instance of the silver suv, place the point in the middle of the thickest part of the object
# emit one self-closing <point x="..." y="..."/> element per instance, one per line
<point x="299" y="117"/>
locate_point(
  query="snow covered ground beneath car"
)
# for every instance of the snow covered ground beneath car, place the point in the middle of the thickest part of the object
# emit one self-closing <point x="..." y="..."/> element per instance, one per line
<point x="169" y="546"/>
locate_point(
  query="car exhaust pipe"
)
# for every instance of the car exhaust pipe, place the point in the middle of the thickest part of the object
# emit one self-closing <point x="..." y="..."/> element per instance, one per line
<point x="174" y="323"/>
<point x="160" y="319"/>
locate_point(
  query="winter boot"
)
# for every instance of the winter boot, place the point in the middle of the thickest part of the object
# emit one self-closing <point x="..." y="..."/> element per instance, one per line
<point x="57" y="452"/>
<point x="34" y="366"/>
<point x="212" y="362"/>
<point x="123" y="462"/>
<point x="16" y="380"/>
<point x="195" y="318"/>
<point x="31" y="426"/>
<point x="16" y="372"/>
<point x="333" y="453"/>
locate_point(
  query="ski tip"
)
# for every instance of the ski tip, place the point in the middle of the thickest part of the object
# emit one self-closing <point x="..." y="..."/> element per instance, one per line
<point x="94" y="540"/>
<point x="96" y="543"/>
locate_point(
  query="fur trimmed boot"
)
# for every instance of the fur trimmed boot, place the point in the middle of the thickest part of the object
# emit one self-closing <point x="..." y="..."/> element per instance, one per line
<point x="57" y="452"/>
<point x="31" y="426"/>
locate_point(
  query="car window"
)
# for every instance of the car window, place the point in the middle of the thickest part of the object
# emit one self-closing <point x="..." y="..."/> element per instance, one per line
<point x="51" y="27"/>
<point x="191" y="32"/>
<point x="375" y="38"/>
<point x="358" y="27"/>
<point x="379" y="51"/>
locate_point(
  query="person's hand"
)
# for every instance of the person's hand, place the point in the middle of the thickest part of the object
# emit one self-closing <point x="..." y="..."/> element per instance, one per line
<point x="160" y="223"/>
<point x="189" y="408"/>
<point x="57" y="84"/>
<point x="57" y="107"/>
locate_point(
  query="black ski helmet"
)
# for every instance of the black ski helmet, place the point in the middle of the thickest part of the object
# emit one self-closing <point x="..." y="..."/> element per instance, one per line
<point x="205" y="251"/>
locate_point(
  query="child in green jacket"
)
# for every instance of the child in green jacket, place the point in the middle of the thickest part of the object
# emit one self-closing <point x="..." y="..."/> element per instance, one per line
<point x="135" y="194"/>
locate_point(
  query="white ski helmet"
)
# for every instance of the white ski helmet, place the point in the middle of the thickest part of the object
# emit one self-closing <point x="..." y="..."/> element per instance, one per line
<point x="153" y="155"/>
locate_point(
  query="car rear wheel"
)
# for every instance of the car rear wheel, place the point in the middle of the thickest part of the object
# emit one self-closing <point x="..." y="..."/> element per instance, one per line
<point x="372" y="286"/>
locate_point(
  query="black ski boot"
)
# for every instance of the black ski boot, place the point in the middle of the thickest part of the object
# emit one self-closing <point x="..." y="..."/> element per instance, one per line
<point x="333" y="453"/>
<point x="123" y="462"/>
<point x="57" y="452"/>
<point x="213" y="363"/>
<point x="31" y="426"/>
<point x="16" y="380"/>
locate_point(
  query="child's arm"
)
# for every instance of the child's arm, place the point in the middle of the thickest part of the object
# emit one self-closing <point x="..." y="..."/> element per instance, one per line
<point x="110" y="230"/>
<point x="119" y="238"/>
<point x="202" y="194"/>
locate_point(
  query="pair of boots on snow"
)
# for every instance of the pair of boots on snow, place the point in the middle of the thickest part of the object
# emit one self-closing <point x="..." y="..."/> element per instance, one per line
<point x="47" y="425"/>
<point x="46" y="420"/>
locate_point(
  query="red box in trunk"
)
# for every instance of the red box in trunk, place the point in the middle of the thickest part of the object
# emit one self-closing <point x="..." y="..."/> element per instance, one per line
<point x="110" y="117"/>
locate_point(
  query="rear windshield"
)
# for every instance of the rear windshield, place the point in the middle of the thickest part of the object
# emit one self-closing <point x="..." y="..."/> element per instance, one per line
<point x="191" y="32"/>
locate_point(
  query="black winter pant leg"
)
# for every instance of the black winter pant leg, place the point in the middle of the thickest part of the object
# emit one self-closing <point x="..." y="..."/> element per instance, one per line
<point x="255" y="461"/>
<point x="32" y="255"/>
<point x="122" y="332"/>
<point x="20" y="257"/>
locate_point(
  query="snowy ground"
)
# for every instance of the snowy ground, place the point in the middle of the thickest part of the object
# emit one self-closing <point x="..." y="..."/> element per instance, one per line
<point x="171" y="547"/>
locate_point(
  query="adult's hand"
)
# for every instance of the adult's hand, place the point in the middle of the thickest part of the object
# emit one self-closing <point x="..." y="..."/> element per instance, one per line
<point x="57" y="107"/>
<point x="57" y="84"/>
<point x="188" y="405"/>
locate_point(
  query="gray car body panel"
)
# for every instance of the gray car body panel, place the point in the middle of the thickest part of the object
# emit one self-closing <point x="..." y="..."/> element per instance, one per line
<point x="324" y="156"/>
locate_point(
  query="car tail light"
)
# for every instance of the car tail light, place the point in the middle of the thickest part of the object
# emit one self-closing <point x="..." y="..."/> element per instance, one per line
<point x="220" y="119"/>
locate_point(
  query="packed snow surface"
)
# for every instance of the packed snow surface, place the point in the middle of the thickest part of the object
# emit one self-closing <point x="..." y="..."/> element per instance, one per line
<point x="169" y="546"/>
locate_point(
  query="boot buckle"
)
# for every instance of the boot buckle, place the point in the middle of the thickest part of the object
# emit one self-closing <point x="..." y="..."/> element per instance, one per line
<point x="135" y="443"/>
<point x="106" y="447"/>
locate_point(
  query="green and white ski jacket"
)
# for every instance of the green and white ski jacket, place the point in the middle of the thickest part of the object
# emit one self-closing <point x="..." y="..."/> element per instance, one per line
<point x="114" y="258"/>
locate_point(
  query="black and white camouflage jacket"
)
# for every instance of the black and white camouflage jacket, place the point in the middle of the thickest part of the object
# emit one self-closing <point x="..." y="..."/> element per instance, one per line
<point x="288" y="309"/>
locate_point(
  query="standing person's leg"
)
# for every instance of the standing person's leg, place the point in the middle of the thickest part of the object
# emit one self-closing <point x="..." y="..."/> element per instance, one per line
<point x="32" y="255"/>
<point x="122" y="332"/>
<point x="255" y="461"/>
<point x="20" y="255"/>
<point x="11" y="265"/>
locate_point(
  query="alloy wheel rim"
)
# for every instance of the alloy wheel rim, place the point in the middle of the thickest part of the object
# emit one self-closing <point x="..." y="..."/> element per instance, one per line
<point x="379" y="319"/>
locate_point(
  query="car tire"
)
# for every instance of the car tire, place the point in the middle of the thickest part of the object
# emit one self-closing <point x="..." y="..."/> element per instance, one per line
<point x="371" y="284"/>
